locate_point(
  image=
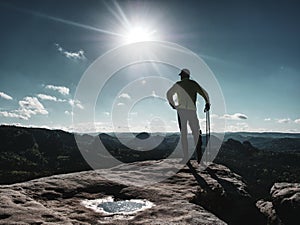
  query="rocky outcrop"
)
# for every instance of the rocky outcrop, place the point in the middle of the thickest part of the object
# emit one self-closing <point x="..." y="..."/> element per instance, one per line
<point x="225" y="194"/>
<point x="190" y="196"/>
<point x="286" y="201"/>
<point x="232" y="147"/>
<point x="284" y="207"/>
<point x="267" y="209"/>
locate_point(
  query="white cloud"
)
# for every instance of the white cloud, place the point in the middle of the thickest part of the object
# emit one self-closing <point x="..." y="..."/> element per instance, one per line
<point x="76" y="103"/>
<point x="60" y="89"/>
<point x="292" y="131"/>
<point x="71" y="55"/>
<point x="120" y="104"/>
<point x="68" y="113"/>
<point x="236" y="116"/>
<point x="106" y="113"/>
<point x="27" y="107"/>
<point x="214" y="116"/>
<point x="267" y="119"/>
<point x="144" y="81"/>
<point x="238" y="127"/>
<point x="49" y="98"/>
<point x="87" y="127"/>
<point x="31" y="106"/>
<point x="12" y="115"/>
<point x="5" y="96"/>
<point x="284" y="120"/>
<point x="124" y="95"/>
<point x="297" y="121"/>
<point x="244" y="125"/>
<point x="75" y="55"/>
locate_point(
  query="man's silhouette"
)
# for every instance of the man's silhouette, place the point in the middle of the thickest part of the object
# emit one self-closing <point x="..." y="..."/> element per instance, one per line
<point x="186" y="91"/>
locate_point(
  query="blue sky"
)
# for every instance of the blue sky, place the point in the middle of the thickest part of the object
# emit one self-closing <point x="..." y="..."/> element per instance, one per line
<point x="252" y="47"/>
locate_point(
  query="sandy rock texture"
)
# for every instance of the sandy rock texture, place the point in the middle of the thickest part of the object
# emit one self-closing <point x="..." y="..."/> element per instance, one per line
<point x="191" y="196"/>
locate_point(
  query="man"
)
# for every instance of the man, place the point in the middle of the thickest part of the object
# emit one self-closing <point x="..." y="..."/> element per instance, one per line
<point x="186" y="91"/>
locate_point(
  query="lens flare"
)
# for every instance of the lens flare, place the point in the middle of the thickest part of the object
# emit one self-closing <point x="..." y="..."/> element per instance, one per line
<point x="138" y="34"/>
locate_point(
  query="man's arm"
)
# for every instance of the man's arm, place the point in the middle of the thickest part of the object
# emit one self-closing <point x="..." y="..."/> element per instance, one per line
<point x="204" y="94"/>
<point x="170" y="95"/>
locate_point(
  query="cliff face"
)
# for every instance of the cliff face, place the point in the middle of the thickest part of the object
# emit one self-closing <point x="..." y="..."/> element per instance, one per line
<point x="286" y="201"/>
<point x="190" y="196"/>
<point x="283" y="206"/>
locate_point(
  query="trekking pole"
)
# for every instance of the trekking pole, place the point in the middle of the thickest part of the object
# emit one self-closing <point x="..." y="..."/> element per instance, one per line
<point x="207" y="135"/>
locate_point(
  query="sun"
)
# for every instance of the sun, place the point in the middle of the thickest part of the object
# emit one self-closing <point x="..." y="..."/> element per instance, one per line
<point x="138" y="34"/>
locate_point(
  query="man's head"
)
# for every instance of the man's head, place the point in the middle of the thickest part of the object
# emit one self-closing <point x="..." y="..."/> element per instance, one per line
<point x="185" y="73"/>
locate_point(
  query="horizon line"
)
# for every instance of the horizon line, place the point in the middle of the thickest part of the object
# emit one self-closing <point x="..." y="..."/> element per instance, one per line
<point x="93" y="132"/>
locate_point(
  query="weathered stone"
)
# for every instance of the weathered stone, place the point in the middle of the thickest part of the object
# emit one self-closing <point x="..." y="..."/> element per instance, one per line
<point x="58" y="200"/>
<point x="191" y="196"/>
<point x="286" y="201"/>
<point x="267" y="209"/>
<point x="225" y="194"/>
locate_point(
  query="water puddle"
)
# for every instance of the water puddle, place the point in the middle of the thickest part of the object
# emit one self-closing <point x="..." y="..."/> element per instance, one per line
<point x="123" y="209"/>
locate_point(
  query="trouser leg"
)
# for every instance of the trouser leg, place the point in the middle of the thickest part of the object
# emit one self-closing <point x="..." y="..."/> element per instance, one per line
<point x="183" y="131"/>
<point x="194" y="125"/>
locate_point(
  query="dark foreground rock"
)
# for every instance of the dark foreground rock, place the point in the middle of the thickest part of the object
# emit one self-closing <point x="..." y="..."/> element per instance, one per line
<point x="286" y="201"/>
<point x="267" y="209"/>
<point x="225" y="194"/>
<point x="180" y="199"/>
<point x="284" y="206"/>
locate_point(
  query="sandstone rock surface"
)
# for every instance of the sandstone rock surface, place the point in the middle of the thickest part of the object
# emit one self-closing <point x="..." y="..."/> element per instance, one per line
<point x="58" y="199"/>
<point x="286" y="201"/>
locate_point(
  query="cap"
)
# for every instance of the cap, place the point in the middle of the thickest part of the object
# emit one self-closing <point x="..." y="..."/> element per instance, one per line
<point x="184" y="72"/>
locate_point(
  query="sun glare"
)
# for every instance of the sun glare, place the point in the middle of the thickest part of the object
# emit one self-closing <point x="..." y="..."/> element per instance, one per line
<point x="138" y="34"/>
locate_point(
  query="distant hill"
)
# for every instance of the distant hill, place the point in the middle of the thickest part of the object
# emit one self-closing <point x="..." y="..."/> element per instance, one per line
<point x="238" y="135"/>
<point x="27" y="153"/>
<point x="269" y="141"/>
<point x="143" y="135"/>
